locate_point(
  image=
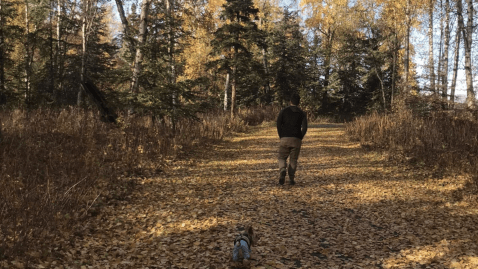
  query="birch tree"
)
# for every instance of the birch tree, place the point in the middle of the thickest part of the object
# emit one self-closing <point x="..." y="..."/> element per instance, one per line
<point x="28" y="52"/>
<point x="444" y="74"/>
<point x="171" y="55"/>
<point x="408" y="22"/>
<point x="59" y="50"/>
<point x="138" y="59"/>
<point x="468" y="41"/>
<point x="431" y="64"/>
<point x="455" y="62"/>
<point x="327" y="17"/>
<point x="2" y="50"/>
<point x="84" y="39"/>
<point x="467" y="34"/>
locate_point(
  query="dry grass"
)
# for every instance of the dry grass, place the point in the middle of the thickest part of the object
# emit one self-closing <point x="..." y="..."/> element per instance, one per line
<point x="350" y="208"/>
<point x="443" y="139"/>
<point x="54" y="165"/>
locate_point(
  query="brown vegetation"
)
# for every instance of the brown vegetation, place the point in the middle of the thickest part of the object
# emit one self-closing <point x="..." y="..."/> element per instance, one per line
<point x="54" y="165"/>
<point x="350" y="208"/>
<point x="445" y="140"/>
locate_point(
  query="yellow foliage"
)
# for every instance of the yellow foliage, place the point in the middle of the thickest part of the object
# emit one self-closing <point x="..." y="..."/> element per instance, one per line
<point x="325" y="14"/>
<point x="214" y="6"/>
<point x="197" y="54"/>
<point x="270" y="11"/>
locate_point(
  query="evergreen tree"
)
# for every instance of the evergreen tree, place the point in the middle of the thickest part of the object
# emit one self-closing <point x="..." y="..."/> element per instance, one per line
<point x="288" y="50"/>
<point x="10" y="34"/>
<point x="166" y="92"/>
<point x="233" y="42"/>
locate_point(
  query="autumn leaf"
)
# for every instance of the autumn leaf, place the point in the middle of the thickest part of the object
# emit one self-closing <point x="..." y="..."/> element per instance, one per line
<point x="349" y="209"/>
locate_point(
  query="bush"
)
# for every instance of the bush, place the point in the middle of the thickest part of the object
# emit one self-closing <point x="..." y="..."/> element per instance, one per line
<point x="444" y="139"/>
<point x="257" y="115"/>
<point x="54" y="164"/>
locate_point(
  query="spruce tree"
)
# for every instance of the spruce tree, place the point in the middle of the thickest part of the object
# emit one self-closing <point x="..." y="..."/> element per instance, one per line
<point x="233" y="42"/>
<point x="9" y="36"/>
<point x="288" y="51"/>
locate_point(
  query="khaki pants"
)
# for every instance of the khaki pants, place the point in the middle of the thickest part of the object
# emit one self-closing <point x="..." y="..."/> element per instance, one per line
<point x="289" y="146"/>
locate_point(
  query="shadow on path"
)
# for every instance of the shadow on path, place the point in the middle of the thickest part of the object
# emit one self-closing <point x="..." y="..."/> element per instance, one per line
<point x="350" y="209"/>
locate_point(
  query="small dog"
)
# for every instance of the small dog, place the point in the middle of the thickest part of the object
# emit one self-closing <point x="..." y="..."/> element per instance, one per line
<point x="242" y="245"/>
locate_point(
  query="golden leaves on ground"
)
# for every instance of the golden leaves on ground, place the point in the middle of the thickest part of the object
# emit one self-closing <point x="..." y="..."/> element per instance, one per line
<point x="349" y="209"/>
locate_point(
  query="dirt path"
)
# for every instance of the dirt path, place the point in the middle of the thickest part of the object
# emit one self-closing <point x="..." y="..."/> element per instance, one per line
<point x="349" y="209"/>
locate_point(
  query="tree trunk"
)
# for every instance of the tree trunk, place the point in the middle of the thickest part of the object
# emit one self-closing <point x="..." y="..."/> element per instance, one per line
<point x="81" y="95"/>
<point x="407" y="48"/>
<point x="445" y="51"/>
<point x="455" y="64"/>
<point x="468" y="41"/>
<point x="2" y="53"/>
<point x="172" y="71"/>
<point x="124" y="22"/>
<point x="27" y="53"/>
<point x="431" y="64"/>
<point x="439" y="73"/>
<point x="52" y="58"/>
<point x="59" y="62"/>
<point x="394" y="68"/>
<point x="265" y="64"/>
<point x="97" y="97"/>
<point x="266" y="70"/>
<point x="226" y="87"/>
<point x="233" y="92"/>
<point x="382" y="88"/>
<point x="328" y="56"/>
<point x="139" y="48"/>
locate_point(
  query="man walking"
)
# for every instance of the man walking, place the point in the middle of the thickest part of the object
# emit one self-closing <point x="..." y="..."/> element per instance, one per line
<point x="291" y="127"/>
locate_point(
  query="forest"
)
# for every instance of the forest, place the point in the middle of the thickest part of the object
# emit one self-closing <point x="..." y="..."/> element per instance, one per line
<point x="174" y="58"/>
<point x="129" y="124"/>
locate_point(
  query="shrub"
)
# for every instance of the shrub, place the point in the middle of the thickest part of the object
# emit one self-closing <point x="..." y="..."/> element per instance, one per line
<point x="257" y="115"/>
<point x="444" y="139"/>
<point x="54" y="164"/>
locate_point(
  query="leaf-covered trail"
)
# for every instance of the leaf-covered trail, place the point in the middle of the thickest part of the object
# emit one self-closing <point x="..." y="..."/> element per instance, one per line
<point x="349" y="209"/>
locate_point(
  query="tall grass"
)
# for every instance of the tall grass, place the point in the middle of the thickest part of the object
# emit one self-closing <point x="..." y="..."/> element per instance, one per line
<point x="55" y="164"/>
<point x="443" y="139"/>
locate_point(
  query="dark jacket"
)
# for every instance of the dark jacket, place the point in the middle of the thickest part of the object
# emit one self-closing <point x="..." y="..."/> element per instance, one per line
<point x="292" y="122"/>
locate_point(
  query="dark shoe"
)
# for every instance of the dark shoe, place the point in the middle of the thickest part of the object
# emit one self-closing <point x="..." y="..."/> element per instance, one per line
<point x="282" y="178"/>
<point x="291" y="182"/>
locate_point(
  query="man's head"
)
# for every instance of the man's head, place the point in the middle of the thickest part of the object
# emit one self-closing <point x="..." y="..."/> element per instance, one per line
<point x="295" y="99"/>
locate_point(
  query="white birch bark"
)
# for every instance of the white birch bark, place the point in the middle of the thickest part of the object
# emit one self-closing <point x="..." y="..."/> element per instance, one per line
<point x="172" y="71"/>
<point x="27" y="52"/>
<point x="226" y="87"/>
<point x="126" y="31"/>
<point x="52" y="57"/>
<point x="407" y="47"/>
<point x="468" y="41"/>
<point x="59" y="63"/>
<point x="2" y="53"/>
<point x="233" y="91"/>
<point x="446" y="51"/>
<point x="84" y="50"/>
<point x="439" y="74"/>
<point x="139" y="48"/>
<point x="455" y="64"/>
<point x="431" y="64"/>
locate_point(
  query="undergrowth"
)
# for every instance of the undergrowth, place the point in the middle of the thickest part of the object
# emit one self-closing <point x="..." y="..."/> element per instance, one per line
<point x="444" y="140"/>
<point x="56" y="164"/>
